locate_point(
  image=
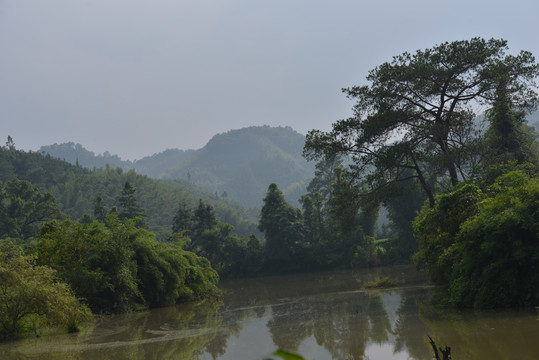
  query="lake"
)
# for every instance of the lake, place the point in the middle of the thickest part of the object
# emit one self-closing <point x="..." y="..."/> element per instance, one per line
<point x="320" y="316"/>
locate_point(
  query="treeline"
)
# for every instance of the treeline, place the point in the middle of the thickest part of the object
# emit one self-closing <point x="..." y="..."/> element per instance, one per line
<point x="55" y="271"/>
<point x="94" y="251"/>
<point x="76" y="190"/>
<point x="468" y="191"/>
<point x="156" y="166"/>
<point x="95" y="247"/>
<point x="413" y="128"/>
<point x="330" y="231"/>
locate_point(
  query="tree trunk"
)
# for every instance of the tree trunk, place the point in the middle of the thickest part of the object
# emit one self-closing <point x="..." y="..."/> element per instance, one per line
<point x="424" y="184"/>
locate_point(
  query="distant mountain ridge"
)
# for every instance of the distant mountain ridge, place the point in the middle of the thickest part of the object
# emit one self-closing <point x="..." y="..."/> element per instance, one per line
<point x="239" y="164"/>
<point x="152" y="166"/>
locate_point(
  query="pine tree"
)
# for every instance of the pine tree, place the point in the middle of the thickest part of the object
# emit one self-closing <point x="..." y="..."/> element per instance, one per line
<point x="282" y="227"/>
<point x="129" y="207"/>
<point x="100" y="214"/>
<point x="508" y="138"/>
<point x="183" y="220"/>
<point x="203" y="218"/>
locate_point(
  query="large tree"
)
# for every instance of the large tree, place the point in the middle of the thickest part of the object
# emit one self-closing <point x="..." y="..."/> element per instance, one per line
<point x="509" y="138"/>
<point x="282" y="227"/>
<point x="416" y="114"/>
<point x="100" y="214"/>
<point x="203" y="219"/>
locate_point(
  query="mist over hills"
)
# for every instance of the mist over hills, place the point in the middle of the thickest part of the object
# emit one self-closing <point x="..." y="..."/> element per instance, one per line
<point x="238" y="164"/>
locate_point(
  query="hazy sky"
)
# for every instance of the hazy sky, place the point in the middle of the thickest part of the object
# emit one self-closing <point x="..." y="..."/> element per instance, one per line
<point x="138" y="77"/>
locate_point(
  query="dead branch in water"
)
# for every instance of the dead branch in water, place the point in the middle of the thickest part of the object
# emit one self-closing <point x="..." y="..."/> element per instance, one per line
<point x="446" y="352"/>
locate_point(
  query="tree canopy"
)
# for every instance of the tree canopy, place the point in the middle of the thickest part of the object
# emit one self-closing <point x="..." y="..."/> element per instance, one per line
<point x="416" y="114"/>
<point x="483" y="243"/>
<point x="117" y="266"/>
<point x="76" y="191"/>
<point x="282" y="226"/>
<point x="199" y="231"/>
<point x="23" y="209"/>
<point x="31" y="294"/>
<point x="414" y="125"/>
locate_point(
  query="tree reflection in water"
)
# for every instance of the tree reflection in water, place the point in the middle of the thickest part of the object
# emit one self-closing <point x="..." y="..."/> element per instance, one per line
<point x="343" y="324"/>
<point x="321" y="316"/>
<point x="409" y="326"/>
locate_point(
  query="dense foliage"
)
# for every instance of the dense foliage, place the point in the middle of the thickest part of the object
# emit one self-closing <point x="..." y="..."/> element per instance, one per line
<point x="500" y="247"/>
<point x="281" y="224"/>
<point x="414" y="128"/>
<point x="116" y="241"/>
<point x="23" y="209"/>
<point x="229" y="254"/>
<point x="112" y="264"/>
<point x="76" y="190"/>
<point x="329" y="233"/>
<point x="437" y="227"/>
<point x="32" y="295"/>
<point x="484" y="244"/>
<point x="118" y="266"/>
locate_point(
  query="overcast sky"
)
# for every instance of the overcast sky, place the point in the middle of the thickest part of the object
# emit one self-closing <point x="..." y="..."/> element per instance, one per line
<point x="138" y="77"/>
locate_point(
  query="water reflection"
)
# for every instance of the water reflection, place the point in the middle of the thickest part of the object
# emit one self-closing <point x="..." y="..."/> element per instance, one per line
<point x="321" y="316"/>
<point x="487" y="334"/>
<point x="409" y="330"/>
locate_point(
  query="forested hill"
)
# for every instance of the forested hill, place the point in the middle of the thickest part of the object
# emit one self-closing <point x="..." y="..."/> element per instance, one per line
<point x="154" y="166"/>
<point x="76" y="190"/>
<point x="239" y="164"/>
<point x="242" y="163"/>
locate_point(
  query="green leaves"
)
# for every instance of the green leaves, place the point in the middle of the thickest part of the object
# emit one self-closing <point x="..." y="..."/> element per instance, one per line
<point x="282" y="227"/>
<point x="484" y="245"/>
<point x="165" y="272"/>
<point x="118" y="266"/>
<point x="436" y="229"/>
<point x="31" y="294"/>
<point x="94" y="259"/>
<point x="23" y="208"/>
<point x="129" y="207"/>
<point x="500" y="246"/>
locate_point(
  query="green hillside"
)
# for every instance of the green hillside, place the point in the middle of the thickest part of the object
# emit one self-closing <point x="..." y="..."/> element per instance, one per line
<point x="155" y="166"/>
<point x="77" y="154"/>
<point x="76" y="188"/>
<point x="158" y="165"/>
<point x="238" y="165"/>
<point x="242" y="163"/>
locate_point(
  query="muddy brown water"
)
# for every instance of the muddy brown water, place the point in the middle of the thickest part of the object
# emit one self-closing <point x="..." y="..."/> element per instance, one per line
<point x="320" y="316"/>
